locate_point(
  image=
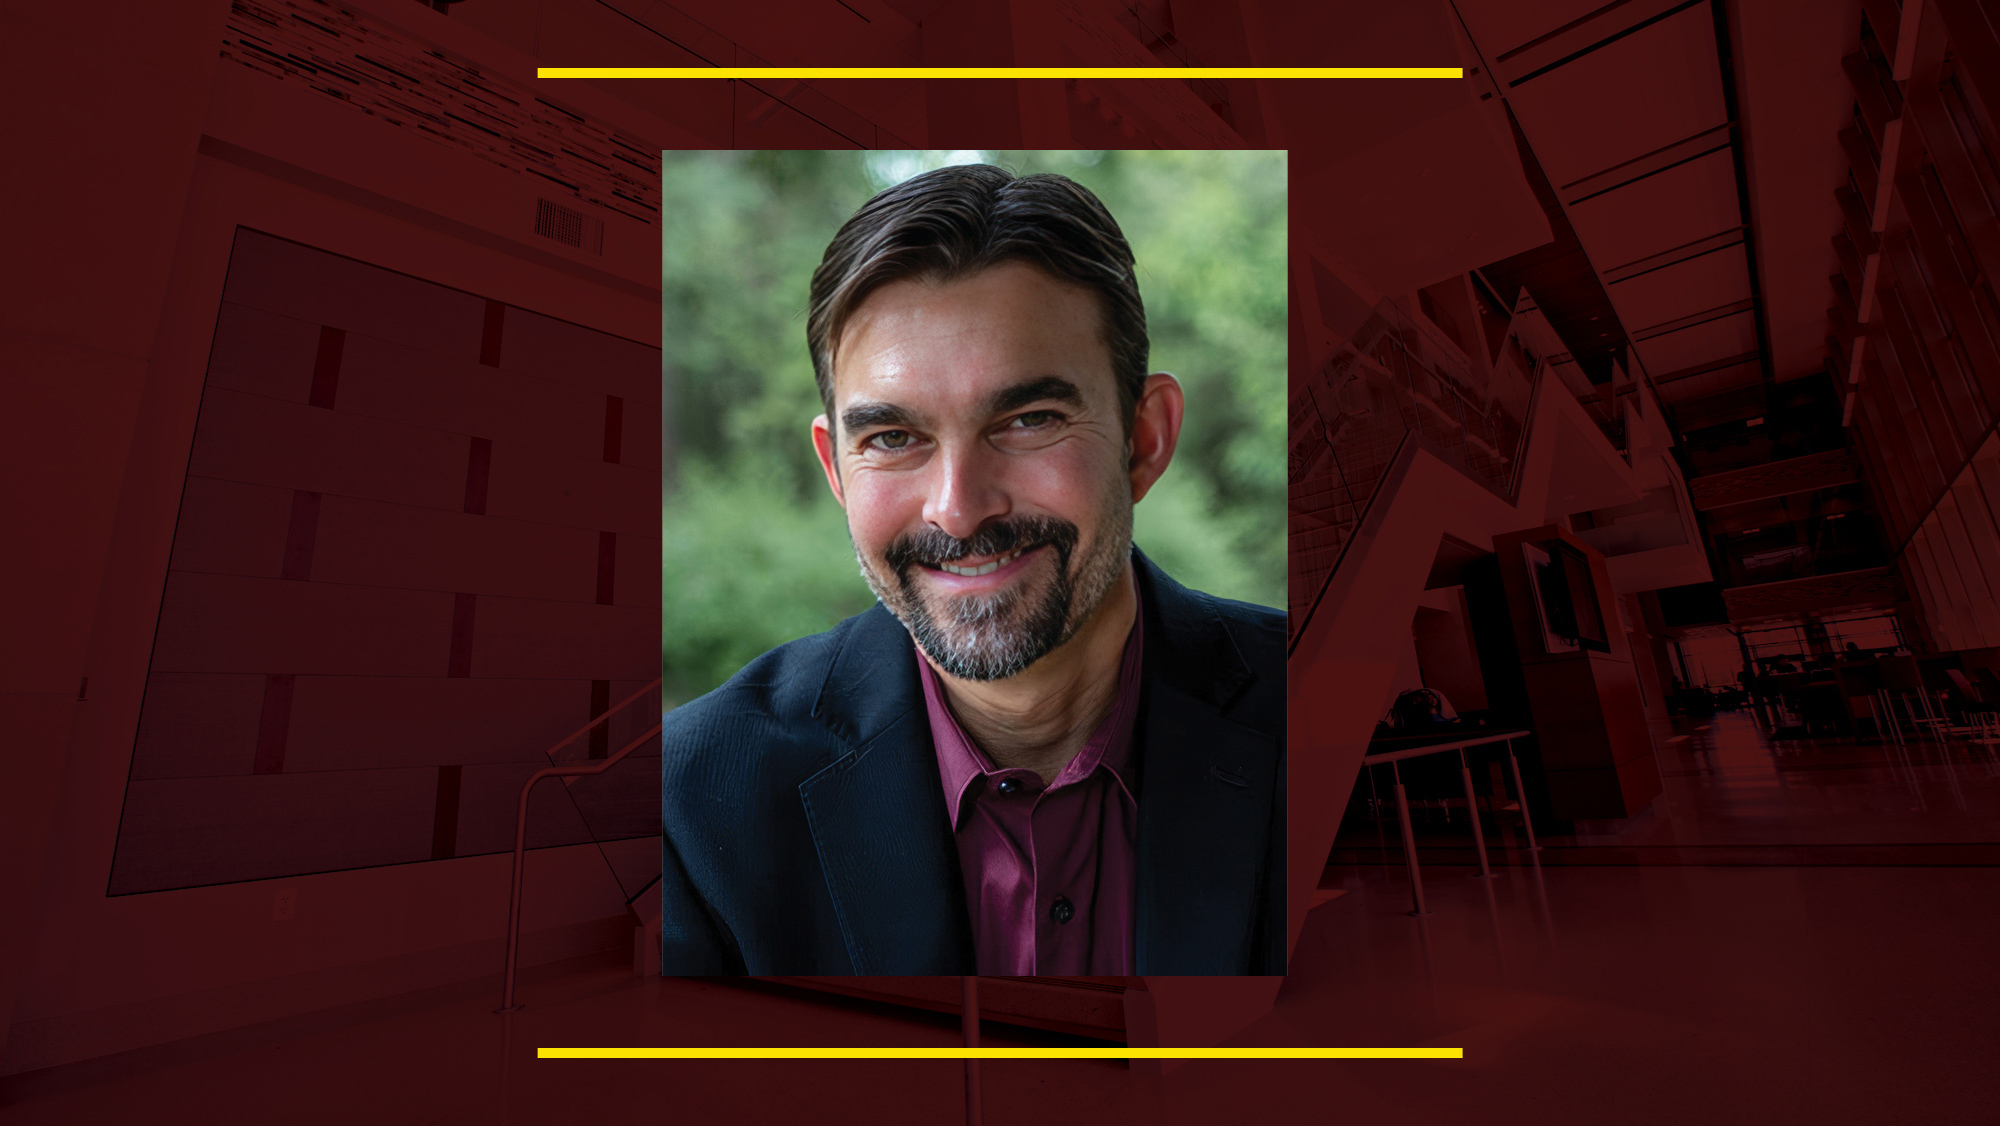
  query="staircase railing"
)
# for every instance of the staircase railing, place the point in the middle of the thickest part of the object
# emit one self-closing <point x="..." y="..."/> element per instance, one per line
<point x="507" y="1003"/>
<point x="1396" y="379"/>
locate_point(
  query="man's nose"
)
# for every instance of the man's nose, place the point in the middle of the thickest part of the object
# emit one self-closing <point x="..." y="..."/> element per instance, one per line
<point x="966" y="491"/>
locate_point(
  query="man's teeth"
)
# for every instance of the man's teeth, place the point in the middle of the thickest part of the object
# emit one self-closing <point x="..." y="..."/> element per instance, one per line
<point x="983" y="569"/>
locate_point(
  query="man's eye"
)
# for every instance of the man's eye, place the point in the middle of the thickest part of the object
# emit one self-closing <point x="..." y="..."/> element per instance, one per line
<point x="1034" y="420"/>
<point x="890" y="439"/>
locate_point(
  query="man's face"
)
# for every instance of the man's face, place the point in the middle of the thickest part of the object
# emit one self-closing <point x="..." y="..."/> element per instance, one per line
<point x="978" y="446"/>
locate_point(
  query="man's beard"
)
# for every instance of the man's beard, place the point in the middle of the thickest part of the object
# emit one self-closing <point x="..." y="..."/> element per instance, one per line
<point x="991" y="637"/>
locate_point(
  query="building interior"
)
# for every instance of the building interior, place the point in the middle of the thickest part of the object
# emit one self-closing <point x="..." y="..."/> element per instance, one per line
<point x="1644" y="533"/>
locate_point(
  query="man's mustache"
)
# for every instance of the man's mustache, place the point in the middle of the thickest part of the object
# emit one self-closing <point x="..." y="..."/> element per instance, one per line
<point x="934" y="547"/>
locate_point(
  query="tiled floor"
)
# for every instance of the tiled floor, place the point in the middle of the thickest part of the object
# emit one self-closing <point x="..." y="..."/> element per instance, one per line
<point x="1778" y="941"/>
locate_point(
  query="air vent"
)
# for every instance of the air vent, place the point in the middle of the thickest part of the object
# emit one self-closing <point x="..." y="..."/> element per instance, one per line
<point x="569" y="226"/>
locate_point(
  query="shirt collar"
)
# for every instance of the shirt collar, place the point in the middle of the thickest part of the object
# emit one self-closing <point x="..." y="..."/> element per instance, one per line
<point x="962" y="766"/>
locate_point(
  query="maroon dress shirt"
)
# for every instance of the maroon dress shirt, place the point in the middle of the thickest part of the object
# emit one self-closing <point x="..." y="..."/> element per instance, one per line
<point x="1049" y="869"/>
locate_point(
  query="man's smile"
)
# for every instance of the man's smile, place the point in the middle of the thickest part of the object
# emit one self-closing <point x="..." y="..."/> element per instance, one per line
<point x="997" y="569"/>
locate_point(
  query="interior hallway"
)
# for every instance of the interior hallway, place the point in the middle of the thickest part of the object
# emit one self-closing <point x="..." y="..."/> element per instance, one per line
<point x="1807" y="926"/>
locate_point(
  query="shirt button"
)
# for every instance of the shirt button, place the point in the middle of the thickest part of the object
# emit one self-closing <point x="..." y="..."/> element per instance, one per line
<point x="1010" y="785"/>
<point x="1062" y="910"/>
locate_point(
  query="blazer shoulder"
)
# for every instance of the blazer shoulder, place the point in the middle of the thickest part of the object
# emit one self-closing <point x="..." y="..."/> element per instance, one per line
<point x="767" y="705"/>
<point x="1258" y="625"/>
<point x="1258" y="632"/>
<point x="1229" y="653"/>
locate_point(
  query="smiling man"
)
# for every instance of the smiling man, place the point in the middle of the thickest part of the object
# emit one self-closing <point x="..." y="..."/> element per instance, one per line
<point x="1039" y="755"/>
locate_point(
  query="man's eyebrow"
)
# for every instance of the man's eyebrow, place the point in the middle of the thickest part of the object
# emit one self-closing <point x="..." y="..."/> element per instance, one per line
<point x="861" y="416"/>
<point x="1048" y="387"/>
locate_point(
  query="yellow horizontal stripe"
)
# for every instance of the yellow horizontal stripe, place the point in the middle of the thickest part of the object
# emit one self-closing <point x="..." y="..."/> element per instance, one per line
<point x="1001" y="1053"/>
<point x="998" y="72"/>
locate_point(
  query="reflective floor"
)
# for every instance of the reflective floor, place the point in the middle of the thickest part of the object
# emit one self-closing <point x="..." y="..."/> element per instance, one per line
<point x="1795" y="933"/>
<point x="1727" y="784"/>
<point x="1733" y="795"/>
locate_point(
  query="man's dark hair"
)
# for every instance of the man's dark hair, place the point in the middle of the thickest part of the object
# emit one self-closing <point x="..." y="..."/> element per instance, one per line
<point x="954" y="222"/>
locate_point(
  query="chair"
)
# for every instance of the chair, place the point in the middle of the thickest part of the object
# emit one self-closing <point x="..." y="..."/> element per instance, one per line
<point x="1981" y="670"/>
<point x="1863" y="681"/>
<point x="1902" y="680"/>
<point x="1981" y="729"/>
<point x="1964" y="687"/>
<point x="1822" y="706"/>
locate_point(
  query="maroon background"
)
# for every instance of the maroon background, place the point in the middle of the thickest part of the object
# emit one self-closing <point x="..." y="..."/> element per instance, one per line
<point x="153" y="139"/>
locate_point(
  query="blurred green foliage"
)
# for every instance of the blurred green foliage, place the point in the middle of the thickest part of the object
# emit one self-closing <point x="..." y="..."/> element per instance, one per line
<point x="756" y="551"/>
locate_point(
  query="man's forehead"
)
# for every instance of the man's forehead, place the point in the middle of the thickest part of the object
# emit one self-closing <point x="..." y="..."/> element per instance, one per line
<point x="964" y="342"/>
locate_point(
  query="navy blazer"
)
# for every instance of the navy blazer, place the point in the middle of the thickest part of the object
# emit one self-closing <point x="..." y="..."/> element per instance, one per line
<point x="805" y="829"/>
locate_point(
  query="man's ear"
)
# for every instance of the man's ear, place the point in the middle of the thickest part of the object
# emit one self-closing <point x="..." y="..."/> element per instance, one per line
<point x="1156" y="429"/>
<point x="822" y="432"/>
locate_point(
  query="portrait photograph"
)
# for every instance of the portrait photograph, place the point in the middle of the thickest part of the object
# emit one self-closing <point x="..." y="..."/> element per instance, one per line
<point x="973" y="647"/>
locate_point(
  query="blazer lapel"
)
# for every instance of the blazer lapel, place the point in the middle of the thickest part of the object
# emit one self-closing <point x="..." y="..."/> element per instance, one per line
<point x="1209" y="791"/>
<point x="878" y="815"/>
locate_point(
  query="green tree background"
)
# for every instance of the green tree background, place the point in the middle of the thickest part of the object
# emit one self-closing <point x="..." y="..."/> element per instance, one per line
<point x="755" y="548"/>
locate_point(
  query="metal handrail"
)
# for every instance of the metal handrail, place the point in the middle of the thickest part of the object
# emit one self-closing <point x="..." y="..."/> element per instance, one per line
<point x="608" y="713"/>
<point x="1471" y="802"/>
<point x="507" y="1004"/>
<point x="1438" y="748"/>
